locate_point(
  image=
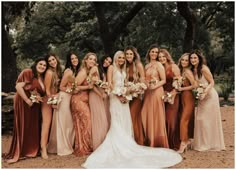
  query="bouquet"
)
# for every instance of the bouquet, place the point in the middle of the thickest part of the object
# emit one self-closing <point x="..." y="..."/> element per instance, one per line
<point x="199" y="90"/>
<point x="35" y="96"/>
<point x="168" y="97"/>
<point x="177" y="82"/>
<point x="104" y="85"/>
<point x="54" y="101"/>
<point x="122" y="92"/>
<point x="134" y="89"/>
<point x="72" y="87"/>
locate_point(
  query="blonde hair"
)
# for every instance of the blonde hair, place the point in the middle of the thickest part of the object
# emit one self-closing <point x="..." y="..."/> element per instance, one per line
<point x="167" y="55"/>
<point x="117" y="54"/>
<point x="179" y="61"/>
<point x="83" y="65"/>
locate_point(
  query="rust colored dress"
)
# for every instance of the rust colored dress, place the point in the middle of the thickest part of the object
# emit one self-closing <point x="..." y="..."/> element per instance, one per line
<point x="153" y="113"/>
<point x="172" y="113"/>
<point x="82" y="122"/>
<point x="26" y="130"/>
<point x="187" y="112"/>
<point x="135" y="106"/>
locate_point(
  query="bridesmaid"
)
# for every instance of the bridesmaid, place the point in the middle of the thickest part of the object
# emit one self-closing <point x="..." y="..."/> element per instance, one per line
<point x="208" y="133"/>
<point x="80" y="107"/>
<point x="172" y="110"/>
<point x="98" y="105"/>
<point x="51" y="82"/>
<point x="103" y="64"/>
<point x="153" y="110"/>
<point x="135" y="73"/>
<point x="187" y="102"/>
<point x="26" y="133"/>
<point x="64" y="134"/>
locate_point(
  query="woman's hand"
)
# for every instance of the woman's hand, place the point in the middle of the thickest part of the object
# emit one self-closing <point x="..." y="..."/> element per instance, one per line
<point x="29" y="102"/>
<point x="202" y="96"/>
<point x="122" y="99"/>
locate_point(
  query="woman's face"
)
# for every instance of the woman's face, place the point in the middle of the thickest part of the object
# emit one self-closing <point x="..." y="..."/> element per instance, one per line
<point x="184" y="61"/>
<point x="91" y="61"/>
<point x="153" y="53"/>
<point x="194" y="59"/>
<point x="129" y="55"/>
<point x="41" y="67"/>
<point x="162" y="58"/>
<point x="107" y="62"/>
<point x="120" y="60"/>
<point x="52" y="61"/>
<point x="74" y="60"/>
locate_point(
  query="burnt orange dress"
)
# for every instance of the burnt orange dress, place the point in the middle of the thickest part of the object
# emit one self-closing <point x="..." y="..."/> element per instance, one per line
<point x="153" y="112"/>
<point x="26" y="130"/>
<point x="187" y="112"/>
<point x="82" y="122"/>
<point x="135" y="106"/>
<point x="172" y="113"/>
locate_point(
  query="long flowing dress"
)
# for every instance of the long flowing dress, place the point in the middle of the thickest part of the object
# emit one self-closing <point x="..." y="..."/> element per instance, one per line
<point x="135" y="106"/>
<point x="153" y="113"/>
<point x="208" y="133"/>
<point x="82" y="122"/>
<point x="62" y="135"/>
<point x="26" y="130"/>
<point x="187" y="111"/>
<point x="119" y="150"/>
<point x="99" y="118"/>
<point x="172" y="113"/>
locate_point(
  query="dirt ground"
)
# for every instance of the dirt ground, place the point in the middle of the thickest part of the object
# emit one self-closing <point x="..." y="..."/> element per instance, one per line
<point x="191" y="159"/>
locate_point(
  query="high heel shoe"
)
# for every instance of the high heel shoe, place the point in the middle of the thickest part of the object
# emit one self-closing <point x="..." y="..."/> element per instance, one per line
<point x="44" y="154"/>
<point x="183" y="147"/>
<point x="190" y="144"/>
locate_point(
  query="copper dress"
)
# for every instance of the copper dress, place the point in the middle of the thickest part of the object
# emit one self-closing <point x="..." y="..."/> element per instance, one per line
<point x="135" y="110"/>
<point x="82" y="122"/>
<point x="187" y="112"/>
<point x="172" y="113"/>
<point x="26" y="130"/>
<point x="153" y="113"/>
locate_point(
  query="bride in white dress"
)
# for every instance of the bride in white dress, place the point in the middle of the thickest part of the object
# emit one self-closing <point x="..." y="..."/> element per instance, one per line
<point x="119" y="149"/>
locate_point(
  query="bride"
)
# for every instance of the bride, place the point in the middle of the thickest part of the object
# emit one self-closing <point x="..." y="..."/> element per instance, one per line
<point x="119" y="150"/>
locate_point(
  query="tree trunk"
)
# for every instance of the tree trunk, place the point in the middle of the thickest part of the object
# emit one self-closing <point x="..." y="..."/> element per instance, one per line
<point x="9" y="69"/>
<point x="188" y="15"/>
<point x="109" y="34"/>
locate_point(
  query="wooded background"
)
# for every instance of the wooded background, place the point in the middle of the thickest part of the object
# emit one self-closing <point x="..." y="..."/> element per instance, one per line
<point x="32" y="29"/>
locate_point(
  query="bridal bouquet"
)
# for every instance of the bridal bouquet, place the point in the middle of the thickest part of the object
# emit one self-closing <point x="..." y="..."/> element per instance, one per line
<point x="199" y="90"/>
<point x="123" y="91"/>
<point x="134" y="89"/>
<point x="35" y="96"/>
<point x="71" y="88"/>
<point x="177" y="82"/>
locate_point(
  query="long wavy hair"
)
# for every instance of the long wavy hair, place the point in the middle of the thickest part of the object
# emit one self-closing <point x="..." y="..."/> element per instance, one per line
<point x="58" y="68"/>
<point x="33" y="67"/>
<point x="167" y="55"/>
<point x="116" y="55"/>
<point x="69" y="64"/>
<point x="83" y="64"/>
<point x="179" y="62"/>
<point x="103" y="70"/>
<point x="202" y="61"/>
<point x="136" y="60"/>
<point x="150" y="48"/>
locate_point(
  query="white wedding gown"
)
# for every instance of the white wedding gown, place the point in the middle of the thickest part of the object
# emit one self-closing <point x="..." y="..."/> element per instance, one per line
<point x="119" y="150"/>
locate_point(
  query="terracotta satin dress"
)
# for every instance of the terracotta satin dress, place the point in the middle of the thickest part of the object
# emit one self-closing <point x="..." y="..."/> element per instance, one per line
<point x="153" y="113"/>
<point x="135" y="110"/>
<point x="172" y="113"/>
<point x="187" y="112"/>
<point x="26" y="130"/>
<point x="82" y="122"/>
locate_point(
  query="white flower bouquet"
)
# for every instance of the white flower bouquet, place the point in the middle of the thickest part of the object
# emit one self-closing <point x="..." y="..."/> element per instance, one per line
<point x="35" y="96"/>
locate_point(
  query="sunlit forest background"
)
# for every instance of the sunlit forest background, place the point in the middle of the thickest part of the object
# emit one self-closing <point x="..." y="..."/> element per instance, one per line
<point x="33" y="29"/>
